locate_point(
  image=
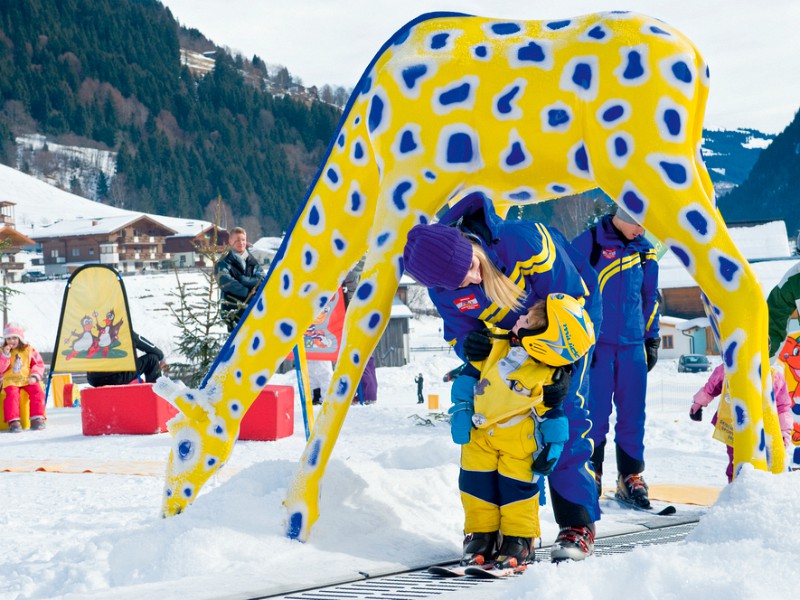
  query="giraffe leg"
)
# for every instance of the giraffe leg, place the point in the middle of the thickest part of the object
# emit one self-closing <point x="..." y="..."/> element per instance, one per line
<point x="684" y="218"/>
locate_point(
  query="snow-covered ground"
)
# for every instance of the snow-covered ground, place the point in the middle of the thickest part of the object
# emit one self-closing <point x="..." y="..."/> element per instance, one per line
<point x="389" y="501"/>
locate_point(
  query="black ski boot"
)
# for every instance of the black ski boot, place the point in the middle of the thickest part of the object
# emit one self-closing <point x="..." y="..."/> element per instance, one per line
<point x="479" y="548"/>
<point x="514" y="551"/>
<point x="632" y="488"/>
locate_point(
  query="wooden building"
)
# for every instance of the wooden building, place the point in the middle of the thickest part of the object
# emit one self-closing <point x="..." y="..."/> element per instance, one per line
<point x="128" y="243"/>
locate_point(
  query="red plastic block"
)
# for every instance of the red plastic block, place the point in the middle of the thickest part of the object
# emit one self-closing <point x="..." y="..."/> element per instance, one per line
<point x="128" y="409"/>
<point x="271" y="416"/>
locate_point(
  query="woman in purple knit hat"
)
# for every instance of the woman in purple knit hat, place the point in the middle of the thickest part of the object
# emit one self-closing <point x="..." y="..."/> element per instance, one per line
<point x="482" y="270"/>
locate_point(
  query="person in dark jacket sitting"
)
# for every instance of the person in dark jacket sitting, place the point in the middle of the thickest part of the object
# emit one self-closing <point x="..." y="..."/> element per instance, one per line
<point x="148" y="366"/>
<point x="239" y="275"/>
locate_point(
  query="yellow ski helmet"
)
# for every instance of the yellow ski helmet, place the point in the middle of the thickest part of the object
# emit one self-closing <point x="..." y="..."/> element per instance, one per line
<point x="568" y="335"/>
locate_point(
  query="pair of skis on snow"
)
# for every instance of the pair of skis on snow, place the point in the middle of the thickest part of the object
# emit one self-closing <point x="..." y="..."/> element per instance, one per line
<point x="489" y="572"/>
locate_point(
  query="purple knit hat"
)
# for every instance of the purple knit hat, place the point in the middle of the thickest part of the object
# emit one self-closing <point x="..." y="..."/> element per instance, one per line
<point x="437" y="256"/>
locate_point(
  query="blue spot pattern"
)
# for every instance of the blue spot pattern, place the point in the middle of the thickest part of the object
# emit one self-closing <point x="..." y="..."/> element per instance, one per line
<point x="531" y="52"/>
<point x="185" y="450"/>
<point x="674" y="171"/>
<point x="407" y="142"/>
<point x="430" y="175"/>
<point x="457" y="95"/>
<point x="620" y="146"/>
<point x="358" y="151"/>
<point x="313" y="455"/>
<point x="739" y="415"/>
<point x="582" y="159"/>
<point x="632" y="202"/>
<point x="582" y="75"/>
<point x="439" y="41"/>
<point x="556" y="25"/>
<point x="286" y="281"/>
<point x="505" y="28"/>
<point x="340" y="140"/>
<point x="375" y="114"/>
<point x="295" y="525"/>
<point x="597" y="33"/>
<point x="261" y="381"/>
<point x="383" y="238"/>
<point x="682" y="72"/>
<point x="355" y="201"/>
<point x="256" y="343"/>
<point x="286" y="329"/>
<point x="504" y="102"/>
<point x="412" y="74"/>
<point x="658" y="30"/>
<point x="481" y="51"/>
<point x="730" y="354"/>
<point x="520" y="196"/>
<point x="364" y="291"/>
<point x="313" y="216"/>
<point x="697" y="221"/>
<point x="633" y="68"/>
<point x="374" y="320"/>
<point x="516" y="156"/>
<point x="727" y="268"/>
<point x="672" y="119"/>
<point x="398" y="194"/>
<point x="557" y="117"/>
<point x="682" y="255"/>
<point x="613" y="113"/>
<point x="333" y="176"/>
<point x="459" y="148"/>
<point x="308" y="258"/>
<point x="340" y="244"/>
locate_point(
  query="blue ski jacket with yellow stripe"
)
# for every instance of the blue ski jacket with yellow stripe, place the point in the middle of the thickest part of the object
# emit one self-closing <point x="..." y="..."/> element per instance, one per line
<point x="537" y="258"/>
<point x="628" y="279"/>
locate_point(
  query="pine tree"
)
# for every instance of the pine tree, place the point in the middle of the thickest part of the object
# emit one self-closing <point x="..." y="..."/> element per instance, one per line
<point x="198" y="316"/>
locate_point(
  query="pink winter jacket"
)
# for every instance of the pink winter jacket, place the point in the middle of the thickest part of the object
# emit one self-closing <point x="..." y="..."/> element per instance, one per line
<point x="713" y="388"/>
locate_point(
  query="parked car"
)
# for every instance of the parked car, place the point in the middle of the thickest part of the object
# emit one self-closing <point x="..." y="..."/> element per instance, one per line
<point x="29" y="276"/>
<point x="693" y="363"/>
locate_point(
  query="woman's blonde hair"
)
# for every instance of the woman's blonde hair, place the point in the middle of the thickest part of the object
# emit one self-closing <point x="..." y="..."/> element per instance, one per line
<point x="497" y="287"/>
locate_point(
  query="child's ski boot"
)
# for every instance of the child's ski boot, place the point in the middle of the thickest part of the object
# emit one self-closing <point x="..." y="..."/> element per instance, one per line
<point x="479" y="548"/>
<point x="514" y="552"/>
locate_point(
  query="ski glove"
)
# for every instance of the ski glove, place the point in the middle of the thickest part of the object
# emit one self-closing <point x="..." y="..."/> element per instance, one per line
<point x="554" y="394"/>
<point x="696" y="412"/>
<point x="551" y="433"/>
<point x="651" y="349"/>
<point x="477" y="344"/>
<point x="463" y="397"/>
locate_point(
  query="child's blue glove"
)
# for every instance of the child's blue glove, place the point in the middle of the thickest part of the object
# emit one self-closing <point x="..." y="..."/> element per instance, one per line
<point x="551" y="433"/>
<point x="461" y="421"/>
<point x="462" y="395"/>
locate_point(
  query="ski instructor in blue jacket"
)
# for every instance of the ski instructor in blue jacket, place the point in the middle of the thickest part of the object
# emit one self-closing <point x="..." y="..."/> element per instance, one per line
<point x="627" y="345"/>
<point x="480" y="269"/>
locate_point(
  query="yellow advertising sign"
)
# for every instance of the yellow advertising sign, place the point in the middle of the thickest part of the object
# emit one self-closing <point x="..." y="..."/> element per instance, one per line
<point x="94" y="332"/>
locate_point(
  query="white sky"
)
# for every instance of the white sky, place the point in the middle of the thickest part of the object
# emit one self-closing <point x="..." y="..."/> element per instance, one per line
<point x="752" y="47"/>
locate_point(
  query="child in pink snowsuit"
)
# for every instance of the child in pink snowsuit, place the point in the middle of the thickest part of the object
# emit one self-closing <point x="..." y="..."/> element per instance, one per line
<point x="724" y="430"/>
<point x="21" y="366"/>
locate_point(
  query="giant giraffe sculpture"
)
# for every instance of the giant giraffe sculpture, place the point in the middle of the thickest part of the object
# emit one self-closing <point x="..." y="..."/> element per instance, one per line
<point x="524" y="111"/>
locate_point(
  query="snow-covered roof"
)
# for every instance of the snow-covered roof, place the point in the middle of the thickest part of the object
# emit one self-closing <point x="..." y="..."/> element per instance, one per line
<point x="181" y="226"/>
<point x="269" y="245"/>
<point x="96" y="226"/>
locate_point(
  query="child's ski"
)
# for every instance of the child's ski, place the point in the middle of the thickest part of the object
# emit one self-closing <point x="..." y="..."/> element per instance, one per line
<point x="663" y="512"/>
<point x="494" y="573"/>
<point x="442" y="571"/>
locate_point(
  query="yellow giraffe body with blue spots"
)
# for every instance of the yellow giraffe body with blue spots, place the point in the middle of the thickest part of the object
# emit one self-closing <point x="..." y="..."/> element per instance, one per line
<point x="524" y="111"/>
